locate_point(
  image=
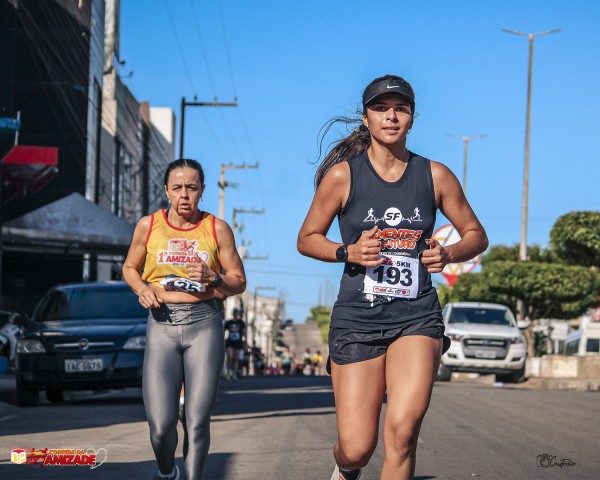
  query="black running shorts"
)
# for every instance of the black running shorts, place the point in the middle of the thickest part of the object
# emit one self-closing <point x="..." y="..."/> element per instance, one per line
<point x="350" y="346"/>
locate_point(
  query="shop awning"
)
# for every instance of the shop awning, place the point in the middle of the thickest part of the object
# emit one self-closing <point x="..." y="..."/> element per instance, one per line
<point x="72" y="226"/>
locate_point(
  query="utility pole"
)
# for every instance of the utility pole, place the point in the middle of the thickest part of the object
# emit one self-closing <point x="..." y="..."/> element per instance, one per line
<point x="525" y="199"/>
<point x="248" y="257"/>
<point x="235" y="226"/>
<point x="197" y="104"/>
<point x="466" y="154"/>
<point x="222" y="184"/>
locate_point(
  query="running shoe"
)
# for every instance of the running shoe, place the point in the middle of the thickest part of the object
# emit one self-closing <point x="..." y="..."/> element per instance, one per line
<point x="174" y="475"/>
<point x="338" y="475"/>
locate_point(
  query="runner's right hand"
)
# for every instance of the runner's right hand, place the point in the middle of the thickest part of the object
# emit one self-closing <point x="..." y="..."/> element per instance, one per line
<point x="149" y="299"/>
<point x="366" y="250"/>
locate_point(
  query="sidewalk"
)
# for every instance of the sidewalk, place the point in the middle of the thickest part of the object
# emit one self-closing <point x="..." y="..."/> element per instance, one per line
<point x="536" y="383"/>
<point x="577" y="384"/>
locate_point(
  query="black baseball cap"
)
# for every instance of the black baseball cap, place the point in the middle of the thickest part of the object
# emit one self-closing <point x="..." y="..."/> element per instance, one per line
<point x="389" y="85"/>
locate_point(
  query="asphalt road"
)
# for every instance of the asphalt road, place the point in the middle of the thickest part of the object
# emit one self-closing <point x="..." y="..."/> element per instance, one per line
<point x="267" y="428"/>
<point x="302" y="336"/>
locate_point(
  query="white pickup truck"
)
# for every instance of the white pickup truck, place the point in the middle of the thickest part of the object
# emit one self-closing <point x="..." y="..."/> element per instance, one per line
<point x="484" y="339"/>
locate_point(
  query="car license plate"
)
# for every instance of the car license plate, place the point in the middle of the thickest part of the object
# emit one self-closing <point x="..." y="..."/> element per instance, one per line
<point x="484" y="354"/>
<point x="84" y="365"/>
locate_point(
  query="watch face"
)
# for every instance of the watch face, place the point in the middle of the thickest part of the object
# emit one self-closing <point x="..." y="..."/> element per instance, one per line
<point x="341" y="254"/>
<point x="216" y="283"/>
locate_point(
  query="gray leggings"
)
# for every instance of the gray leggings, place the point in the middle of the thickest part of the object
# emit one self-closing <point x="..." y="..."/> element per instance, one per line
<point x="184" y="343"/>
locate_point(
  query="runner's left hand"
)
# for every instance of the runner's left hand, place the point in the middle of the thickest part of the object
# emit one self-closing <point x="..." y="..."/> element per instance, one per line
<point x="198" y="271"/>
<point x="436" y="257"/>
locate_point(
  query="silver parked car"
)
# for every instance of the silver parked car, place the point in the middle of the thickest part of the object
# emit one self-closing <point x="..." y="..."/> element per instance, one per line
<point x="484" y="339"/>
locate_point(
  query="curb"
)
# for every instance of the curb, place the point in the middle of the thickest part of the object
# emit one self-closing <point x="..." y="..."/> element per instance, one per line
<point x="573" y="384"/>
<point x="534" y="383"/>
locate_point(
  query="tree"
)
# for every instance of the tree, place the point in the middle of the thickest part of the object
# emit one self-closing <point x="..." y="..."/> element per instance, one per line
<point x="321" y="316"/>
<point x="476" y="287"/>
<point x="575" y="238"/>
<point x="535" y="253"/>
<point x="549" y="290"/>
<point x="561" y="282"/>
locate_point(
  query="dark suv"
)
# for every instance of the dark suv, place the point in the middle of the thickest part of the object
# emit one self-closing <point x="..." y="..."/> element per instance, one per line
<point x="84" y="336"/>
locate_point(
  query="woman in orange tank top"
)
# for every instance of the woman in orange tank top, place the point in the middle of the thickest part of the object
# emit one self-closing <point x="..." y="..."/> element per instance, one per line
<point x="179" y="259"/>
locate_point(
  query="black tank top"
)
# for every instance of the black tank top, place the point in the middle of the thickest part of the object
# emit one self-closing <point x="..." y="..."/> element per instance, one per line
<point x="399" y="292"/>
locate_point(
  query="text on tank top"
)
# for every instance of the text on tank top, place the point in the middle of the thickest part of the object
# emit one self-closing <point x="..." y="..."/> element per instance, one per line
<point x="169" y="249"/>
<point x="404" y="212"/>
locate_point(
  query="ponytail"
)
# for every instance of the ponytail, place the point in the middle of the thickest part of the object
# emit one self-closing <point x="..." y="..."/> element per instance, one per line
<point x="354" y="144"/>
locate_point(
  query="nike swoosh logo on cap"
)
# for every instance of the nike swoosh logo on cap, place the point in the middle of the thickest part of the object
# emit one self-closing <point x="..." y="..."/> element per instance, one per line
<point x="392" y="86"/>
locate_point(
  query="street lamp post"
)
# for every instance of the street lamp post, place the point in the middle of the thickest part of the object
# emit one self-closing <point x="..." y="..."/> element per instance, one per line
<point x="466" y="154"/>
<point x="525" y="198"/>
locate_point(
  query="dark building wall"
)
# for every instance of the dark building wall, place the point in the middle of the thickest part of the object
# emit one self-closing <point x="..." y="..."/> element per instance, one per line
<point x="96" y="76"/>
<point x="46" y="79"/>
<point x="7" y="61"/>
<point x="28" y="276"/>
<point x="52" y="69"/>
<point x="45" y="74"/>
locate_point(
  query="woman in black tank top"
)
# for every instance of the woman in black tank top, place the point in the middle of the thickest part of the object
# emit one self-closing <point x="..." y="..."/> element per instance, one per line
<point x="386" y="328"/>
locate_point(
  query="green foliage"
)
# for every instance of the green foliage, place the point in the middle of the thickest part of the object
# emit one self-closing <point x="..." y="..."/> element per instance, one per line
<point x="554" y="283"/>
<point x="475" y="287"/>
<point x="500" y="253"/>
<point x="549" y="290"/>
<point x="322" y="317"/>
<point x="446" y="294"/>
<point x="540" y="344"/>
<point x="535" y="253"/>
<point x="575" y="237"/>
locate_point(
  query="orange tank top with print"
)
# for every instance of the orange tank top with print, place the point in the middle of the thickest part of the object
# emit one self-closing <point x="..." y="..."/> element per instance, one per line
<point x="169" y="249"/>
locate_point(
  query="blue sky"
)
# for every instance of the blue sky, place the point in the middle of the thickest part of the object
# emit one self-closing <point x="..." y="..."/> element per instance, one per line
<point x="294" y="65"/>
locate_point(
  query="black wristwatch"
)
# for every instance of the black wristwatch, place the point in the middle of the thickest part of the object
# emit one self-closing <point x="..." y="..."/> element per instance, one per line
<point x="341" y="254"/>
<point x="217" y="282"/>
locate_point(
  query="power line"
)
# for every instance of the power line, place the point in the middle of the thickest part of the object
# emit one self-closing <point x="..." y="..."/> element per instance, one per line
<point x="185" y="103"/>
<point x="210" y="79"/>
<point x="227" y="130"/>
<point x="187" y="71"/>
<point x="226" y="45"/>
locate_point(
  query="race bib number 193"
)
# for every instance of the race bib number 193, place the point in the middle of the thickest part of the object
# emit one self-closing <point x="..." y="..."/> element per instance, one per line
<point x="397" y="277"/>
